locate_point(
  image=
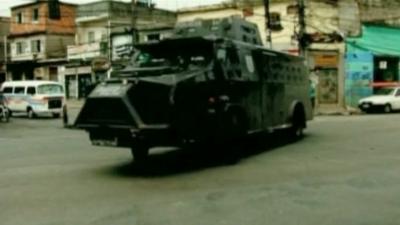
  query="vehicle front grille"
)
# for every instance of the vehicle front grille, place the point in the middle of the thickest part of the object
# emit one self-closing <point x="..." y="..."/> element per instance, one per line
<point x="55" y="103"/>
<point x="152" y="102"/>
<point x="105" y="111"/>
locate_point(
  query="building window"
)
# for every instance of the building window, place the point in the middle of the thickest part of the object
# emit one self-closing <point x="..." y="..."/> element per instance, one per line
<point x="153" y="37"/>
<point x="35" y="15"/>
<point x="19" y="18"/>
<point x="292" y="9"/>
<point x="91" y="37"/>
<point x="21" y="48"/>
<point x="36" y="46"/>
<point x="275" y="24"/>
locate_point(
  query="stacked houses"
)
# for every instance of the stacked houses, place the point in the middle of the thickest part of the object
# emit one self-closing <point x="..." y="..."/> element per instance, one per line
<point x="79" y="45"/>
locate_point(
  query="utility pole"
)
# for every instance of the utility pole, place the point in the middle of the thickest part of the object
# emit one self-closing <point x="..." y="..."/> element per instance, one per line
<point x="268" y="23"/>
<point x="302" y="29"/>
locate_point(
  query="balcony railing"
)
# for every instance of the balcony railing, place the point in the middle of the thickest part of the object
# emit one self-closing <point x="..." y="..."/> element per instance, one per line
<point x="86" y="51"/>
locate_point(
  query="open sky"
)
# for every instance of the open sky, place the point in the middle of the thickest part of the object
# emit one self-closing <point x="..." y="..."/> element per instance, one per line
<point x="166" y="4"/>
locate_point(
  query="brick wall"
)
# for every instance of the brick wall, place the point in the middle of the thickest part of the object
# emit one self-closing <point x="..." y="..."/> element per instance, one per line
<point x="65" y="25"/>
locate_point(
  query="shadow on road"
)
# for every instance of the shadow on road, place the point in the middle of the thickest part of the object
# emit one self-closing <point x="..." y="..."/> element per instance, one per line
<point x="198" y="158"/>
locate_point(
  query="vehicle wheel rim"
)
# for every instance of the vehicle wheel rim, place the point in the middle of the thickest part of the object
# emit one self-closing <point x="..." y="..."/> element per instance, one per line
<point x="387" y="108"/>
<point x="30" y="114"/>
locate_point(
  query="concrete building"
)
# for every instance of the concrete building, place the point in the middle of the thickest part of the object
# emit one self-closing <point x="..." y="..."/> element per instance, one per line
<point x="372" y="48"/>
<point x="105" y="32"/>
<point x="4" y="30"/>
<point x="39" y="34"/>
<point x="326" y="48"/>
<point x="151" y="23"/>
<point x="101" y="26"/>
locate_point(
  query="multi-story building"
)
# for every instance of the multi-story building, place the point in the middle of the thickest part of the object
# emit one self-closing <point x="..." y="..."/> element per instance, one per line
<point x="39" y="34"/>
<point x="100" y="25"/>
<point x="104" y="37"/>
<point x="325" y="48"/>
<point x="372" y="47"/>
<point x="4" y="30"/>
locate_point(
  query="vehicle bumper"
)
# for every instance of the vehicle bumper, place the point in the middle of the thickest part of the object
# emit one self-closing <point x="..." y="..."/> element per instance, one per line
<point x="367" y="106"/>
<point x="127" y="137"/>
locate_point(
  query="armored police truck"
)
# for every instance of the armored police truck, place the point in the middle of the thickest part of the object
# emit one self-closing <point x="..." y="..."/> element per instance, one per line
<point x="212" y="81"/>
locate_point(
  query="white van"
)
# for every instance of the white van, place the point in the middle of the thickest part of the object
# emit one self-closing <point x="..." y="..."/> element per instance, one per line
<point x="34" y="97"/>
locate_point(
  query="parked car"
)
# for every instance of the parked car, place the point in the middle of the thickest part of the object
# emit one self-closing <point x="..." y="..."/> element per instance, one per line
<point x="387" y="100"/>
<point x="34" y="97"/>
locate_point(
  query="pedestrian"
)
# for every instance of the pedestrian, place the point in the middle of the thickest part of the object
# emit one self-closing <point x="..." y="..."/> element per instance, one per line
<point x="313" y="79"/>
<point x="312" y="94"/>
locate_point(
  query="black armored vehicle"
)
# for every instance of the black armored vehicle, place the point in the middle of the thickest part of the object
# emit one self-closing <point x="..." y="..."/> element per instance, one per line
<point x="212" y="81"/>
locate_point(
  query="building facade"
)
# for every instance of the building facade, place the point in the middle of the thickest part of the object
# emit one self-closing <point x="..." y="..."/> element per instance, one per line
<point x="373" y="50"/>
<point x="105" y="33"/>
<point x="4" y="47"/>
<point x="39" y="34"/>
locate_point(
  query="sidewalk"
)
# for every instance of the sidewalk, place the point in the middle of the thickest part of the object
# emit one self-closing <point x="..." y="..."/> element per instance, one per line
<point x="75" y="103"/>
<point x="74" y="106"/>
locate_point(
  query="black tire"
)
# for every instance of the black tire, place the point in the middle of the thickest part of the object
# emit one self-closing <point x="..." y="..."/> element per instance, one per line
<point x="6" y="115"/>
<point x="296" y="131"/>
<point x="140" y="153"/>
<point x="31" y="114"/>
<point x="387" y="108"/>
<point x="56" y="115"/>
<point x="235" y="124"/>
<point x="235" y="131"/>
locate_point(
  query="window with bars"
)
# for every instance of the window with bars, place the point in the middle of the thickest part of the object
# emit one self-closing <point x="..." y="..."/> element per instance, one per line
<point x="19" y="17"/>
<point x="21" y="48"/>
<point x="91" y="37"/>
<point x="36" y="46"/>
<point x="35" y="15"/>
<point x="275" y="24"/>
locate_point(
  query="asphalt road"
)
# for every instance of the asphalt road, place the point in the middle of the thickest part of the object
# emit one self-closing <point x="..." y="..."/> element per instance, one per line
<point x="345" y="171"/>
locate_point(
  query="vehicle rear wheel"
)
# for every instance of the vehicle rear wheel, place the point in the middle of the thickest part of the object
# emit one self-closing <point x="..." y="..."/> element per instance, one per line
<point x="31" y="114"/>
<point x="387" y="108"/>
<point x="298" y="124"/>
<point x="56" y="115"/>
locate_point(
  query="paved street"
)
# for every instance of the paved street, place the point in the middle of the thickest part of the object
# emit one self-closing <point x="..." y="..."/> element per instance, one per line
<point x="345" y="171"/>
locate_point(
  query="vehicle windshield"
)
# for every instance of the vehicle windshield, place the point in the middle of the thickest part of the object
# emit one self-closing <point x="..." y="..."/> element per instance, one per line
<point x="50" y="89"/>
<point x="174" y="55"/>
<point x="385" y="91"/>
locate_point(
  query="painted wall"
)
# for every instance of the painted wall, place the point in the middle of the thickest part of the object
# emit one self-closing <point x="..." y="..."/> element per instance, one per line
<point x="65" y="25"/>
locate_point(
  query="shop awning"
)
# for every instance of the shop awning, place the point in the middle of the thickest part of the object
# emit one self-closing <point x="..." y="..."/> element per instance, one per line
<point x="378" y="40"/>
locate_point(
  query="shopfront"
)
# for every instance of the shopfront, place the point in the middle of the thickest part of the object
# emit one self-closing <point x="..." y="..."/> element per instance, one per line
<point x="372" y="62"/>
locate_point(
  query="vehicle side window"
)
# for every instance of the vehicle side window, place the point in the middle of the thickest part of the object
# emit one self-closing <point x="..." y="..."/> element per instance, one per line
<point x="7" y="90"/>
<point x="19" y="90"/>
<point x="31" y="91"/>
<point x="398" y="93"/>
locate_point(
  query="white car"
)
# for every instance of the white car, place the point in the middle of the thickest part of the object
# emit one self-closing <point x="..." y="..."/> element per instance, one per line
<point x="388" y="100"/>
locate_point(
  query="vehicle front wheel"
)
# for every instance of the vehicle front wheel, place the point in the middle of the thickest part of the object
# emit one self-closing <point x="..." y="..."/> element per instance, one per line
<point x="387" y="108"/>
<point x="56" y="115"/>
<point x="31" y="114"/>
<point x="140" y="152"/>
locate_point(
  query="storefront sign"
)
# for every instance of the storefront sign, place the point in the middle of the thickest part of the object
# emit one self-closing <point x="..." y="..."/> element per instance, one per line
<point x="325" y="60"/>
<point x="100" y="64"/>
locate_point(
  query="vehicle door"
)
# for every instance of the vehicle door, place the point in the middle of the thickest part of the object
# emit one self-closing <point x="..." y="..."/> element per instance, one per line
<point x="396" y="100"/>
<point x="7" y="92"/>
<point x="19" y="98"/>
